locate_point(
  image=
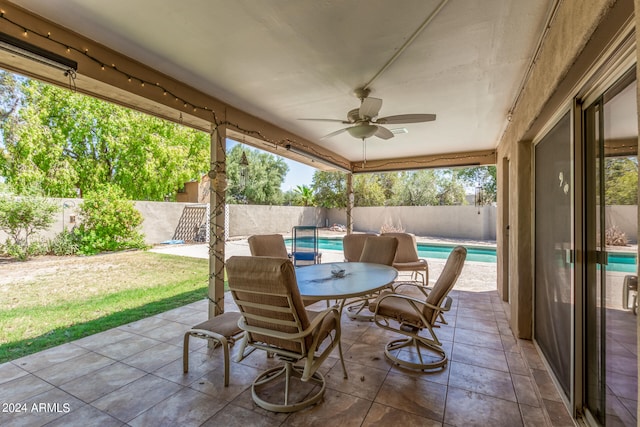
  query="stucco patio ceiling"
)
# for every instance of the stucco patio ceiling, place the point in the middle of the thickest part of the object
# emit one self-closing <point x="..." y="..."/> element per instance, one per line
<point x="285" y="60"/>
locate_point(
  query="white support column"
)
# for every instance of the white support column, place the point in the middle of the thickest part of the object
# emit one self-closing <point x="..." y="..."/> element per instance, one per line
<point x="217" y="189"/>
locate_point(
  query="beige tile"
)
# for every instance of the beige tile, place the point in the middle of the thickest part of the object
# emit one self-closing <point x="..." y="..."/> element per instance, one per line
<point x="545" y="385"/>
<point x="480" y="356"/>
<point x="477" y="324"/>
<point x="43" y="359"/>
<point x="235" y="416"/>
<point x="155" y="357"/>
<point x="144" y="325"/>
<point x="534" y="416"/>
<point x="74" y="368"/>
<point x="335" y="409"/>
<point x="525" y="390"/>
<point x="133" y="399"/>
<point x="127" y="347"/>
<point x="42" y="409"/>
<point x="199" y="365"/>
<point x="478" y="338"/>
<point x="516" y="363"/>
<point x="102" y="339"/>
<point x="368" y="355"/>
<point x="558" y="413"/>
<point x="21" y="388"/>
<point x="482" y="380"/>
<point x="185" y="408"/>
<point x="383" y="416"/>
<point x="171" y="332"/>
<point x="103" y="381"/>
<point x="414" y="395"/>
<point x="363" y="381"/>
<point x="9" y="371"/>
<point x="87" y="415"/>
<point x="466" y="408"/>
<point x="240" y="378"/>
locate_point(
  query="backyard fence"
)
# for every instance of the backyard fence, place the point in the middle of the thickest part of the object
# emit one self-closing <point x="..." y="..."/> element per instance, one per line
<point x="162" y="219"/>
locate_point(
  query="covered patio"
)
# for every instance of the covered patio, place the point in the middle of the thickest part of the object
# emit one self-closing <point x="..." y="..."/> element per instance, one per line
<point x="133" y="374"/>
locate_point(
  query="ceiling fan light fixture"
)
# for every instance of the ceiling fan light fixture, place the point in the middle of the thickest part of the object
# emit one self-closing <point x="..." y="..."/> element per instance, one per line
<point x="362" y="131"/>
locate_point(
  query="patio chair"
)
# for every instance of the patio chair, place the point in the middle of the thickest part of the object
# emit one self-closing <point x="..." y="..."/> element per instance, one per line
<point x="353" y="244"/>
<point x="414" y="315"/>
<point x="376" y="250"/>
<point x="407" y="259"/>
<point x="268" y="245"/>
<point x="304" y="245"/>
<point x="274" y="319"/>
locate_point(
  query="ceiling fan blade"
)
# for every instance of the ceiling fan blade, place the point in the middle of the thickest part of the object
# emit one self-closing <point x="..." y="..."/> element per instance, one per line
<point x="370" y="107"/>
<point x="338" y="132"/>
<point x="326" y="120"/>
<point x="383" y="133"/>
<point x="406" y="118"/>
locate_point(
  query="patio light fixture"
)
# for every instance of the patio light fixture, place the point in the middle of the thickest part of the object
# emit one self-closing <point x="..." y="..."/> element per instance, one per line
<point x="316" y="158"/>
<point x="27" y="50"/>
<point x="244" y="170"/>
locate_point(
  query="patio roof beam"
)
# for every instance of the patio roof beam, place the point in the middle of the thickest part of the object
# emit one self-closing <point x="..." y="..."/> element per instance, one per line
<point x="469" y="158"/>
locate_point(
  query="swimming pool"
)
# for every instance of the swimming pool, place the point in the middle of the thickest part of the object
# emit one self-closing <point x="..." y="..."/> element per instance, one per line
<point x="618" y="261"/>
<point x="425" y="250"/>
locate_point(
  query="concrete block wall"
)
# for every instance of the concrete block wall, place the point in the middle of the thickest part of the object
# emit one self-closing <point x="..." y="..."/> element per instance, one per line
<point x="456" y="222"/>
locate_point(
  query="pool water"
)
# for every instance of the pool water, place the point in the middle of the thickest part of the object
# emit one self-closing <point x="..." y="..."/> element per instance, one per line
<point x="617" y="261"/>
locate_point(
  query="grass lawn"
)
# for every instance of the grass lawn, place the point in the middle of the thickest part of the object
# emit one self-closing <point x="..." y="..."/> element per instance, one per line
<point x="49" y="301"/>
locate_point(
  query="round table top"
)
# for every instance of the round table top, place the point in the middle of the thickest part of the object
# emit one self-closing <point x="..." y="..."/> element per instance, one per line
<point x="360" y="278"/>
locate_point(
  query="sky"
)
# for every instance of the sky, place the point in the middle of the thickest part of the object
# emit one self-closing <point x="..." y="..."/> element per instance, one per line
<point x="299" y="174"/>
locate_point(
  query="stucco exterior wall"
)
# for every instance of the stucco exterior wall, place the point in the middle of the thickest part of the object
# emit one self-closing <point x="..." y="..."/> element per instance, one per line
<point x="549" y="82"/>
<point x="245" y="220"/>
<point x="455" y="222"/>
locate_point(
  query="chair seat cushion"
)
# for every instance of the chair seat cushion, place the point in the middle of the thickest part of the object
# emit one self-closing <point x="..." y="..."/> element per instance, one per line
<point x="397" y="308"/>
<point x="225" y="324"/>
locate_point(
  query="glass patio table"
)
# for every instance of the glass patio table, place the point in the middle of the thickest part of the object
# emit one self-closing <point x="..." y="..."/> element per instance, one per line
<point x="317" y="282"/>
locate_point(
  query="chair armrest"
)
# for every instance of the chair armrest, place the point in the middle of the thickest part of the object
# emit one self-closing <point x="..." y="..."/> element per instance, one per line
<point x="408" y="298"/>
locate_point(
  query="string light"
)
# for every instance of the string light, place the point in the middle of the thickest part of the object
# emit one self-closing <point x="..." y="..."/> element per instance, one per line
<point x="166" y="92"/>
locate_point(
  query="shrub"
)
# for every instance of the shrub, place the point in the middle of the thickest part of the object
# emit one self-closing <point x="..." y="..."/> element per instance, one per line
<point x="65" y="243"/>
<point x="21" y="217"/>
<point x="391" y="228"/>
<point x="108" y="222"/>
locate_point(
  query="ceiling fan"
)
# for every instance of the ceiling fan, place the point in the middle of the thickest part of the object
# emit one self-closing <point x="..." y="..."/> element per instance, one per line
<point x="365" y="122"/>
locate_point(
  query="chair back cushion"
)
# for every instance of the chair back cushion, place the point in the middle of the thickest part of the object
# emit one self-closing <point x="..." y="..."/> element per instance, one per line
<point x="271" y="245"/>
<point x="266" y="291"/>
<point x="445" y="282"/>
<point x="407" y="247"/>
<point x="353" y="244"/>
<point x="379" y="250"/>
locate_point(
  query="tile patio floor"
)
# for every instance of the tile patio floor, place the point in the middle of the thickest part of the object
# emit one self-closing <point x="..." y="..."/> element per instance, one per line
<point x="132" y="376"/>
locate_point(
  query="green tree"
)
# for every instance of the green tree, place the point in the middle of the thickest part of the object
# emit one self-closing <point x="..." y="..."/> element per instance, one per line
<point x="416" y="188"/>
<point x="108" y="222"/>
<point x="621" y="180"/>
<point x="450" y="188"/>
<point x="483" y="177"/>
<point x="21" y="217"/>
<point x="265" y="176"/>
<point x="67" y="142"/>
<point x="330" y="189"/>
<point x="304" y="196"/>
<point x="368" y="191"/>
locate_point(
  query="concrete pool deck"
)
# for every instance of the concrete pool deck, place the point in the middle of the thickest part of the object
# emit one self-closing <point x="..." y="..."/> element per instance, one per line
<point x="475" y="277"/>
